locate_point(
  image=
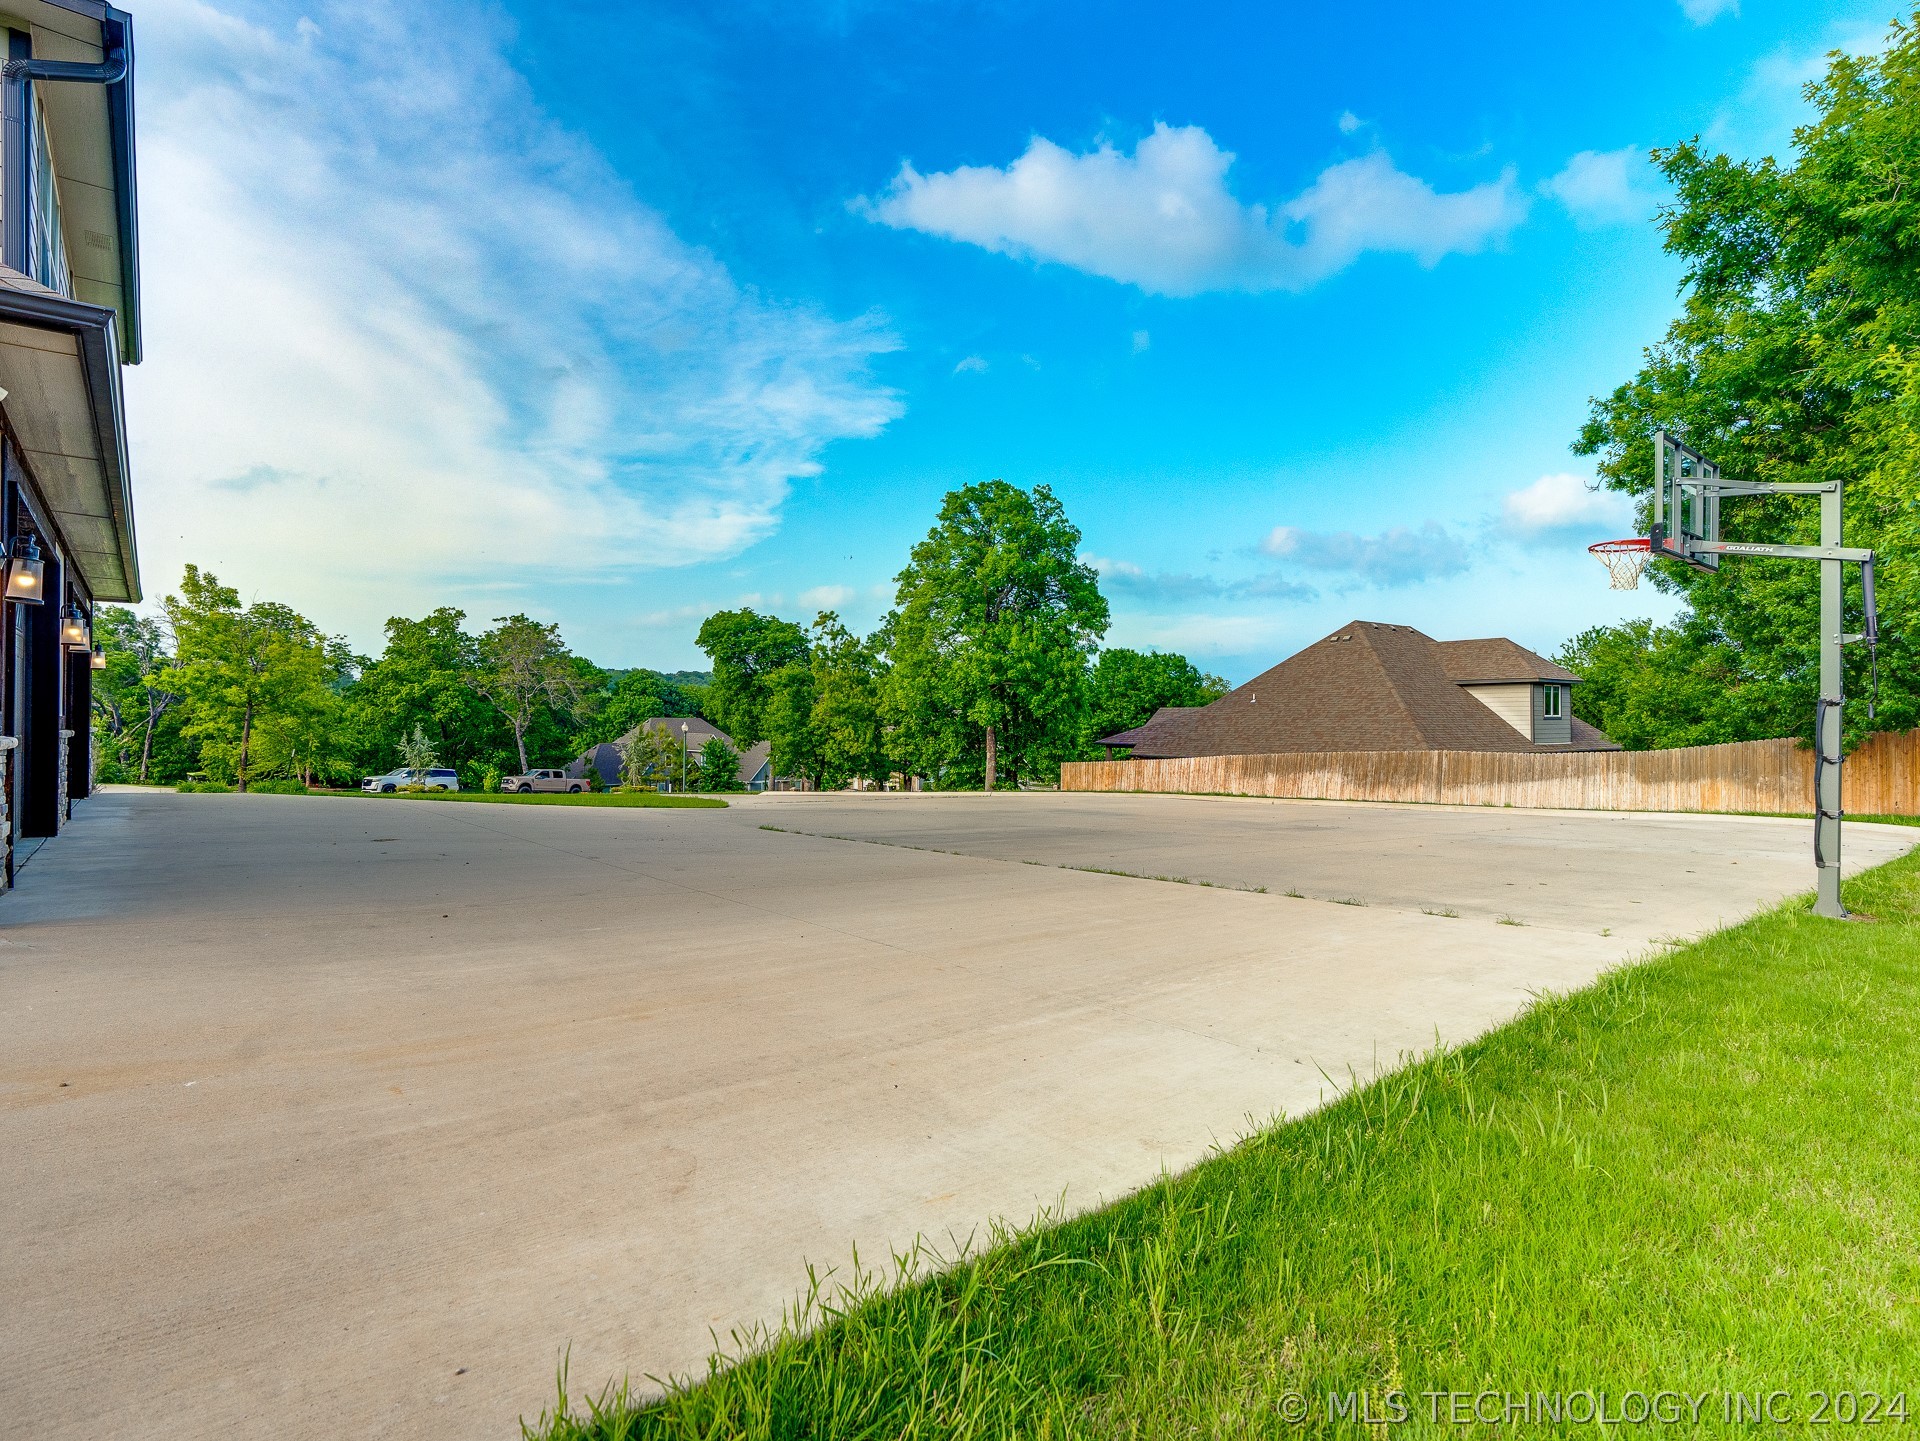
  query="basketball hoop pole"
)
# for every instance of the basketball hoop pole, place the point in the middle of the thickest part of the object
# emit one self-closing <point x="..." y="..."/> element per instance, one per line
<point x="1671" y="537"/>
<point x="1827" y="737"/>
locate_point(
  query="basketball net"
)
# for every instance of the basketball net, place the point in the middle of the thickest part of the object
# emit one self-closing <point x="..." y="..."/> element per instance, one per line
<point x="1624" y="560"/>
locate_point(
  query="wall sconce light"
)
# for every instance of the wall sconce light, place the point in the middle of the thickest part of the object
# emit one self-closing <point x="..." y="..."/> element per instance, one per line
<point x="73" y="629"/>
<point x="99" y="659"/>
<point x="26" y="573"/>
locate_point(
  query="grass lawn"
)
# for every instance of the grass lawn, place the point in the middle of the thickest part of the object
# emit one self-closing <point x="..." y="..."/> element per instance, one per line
<point x="629" y="799"/>
<point x="1700" y="1175"/>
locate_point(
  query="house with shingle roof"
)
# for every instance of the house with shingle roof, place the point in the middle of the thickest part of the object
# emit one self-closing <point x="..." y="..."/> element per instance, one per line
<point x="756" y="764"/>
<point x="1370" y="686"/>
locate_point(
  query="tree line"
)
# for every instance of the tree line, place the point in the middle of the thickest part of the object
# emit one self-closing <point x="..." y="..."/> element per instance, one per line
<point x="987" y="671"/>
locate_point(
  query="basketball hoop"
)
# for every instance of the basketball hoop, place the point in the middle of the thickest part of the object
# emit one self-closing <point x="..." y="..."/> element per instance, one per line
<point x="1624" y="560"/>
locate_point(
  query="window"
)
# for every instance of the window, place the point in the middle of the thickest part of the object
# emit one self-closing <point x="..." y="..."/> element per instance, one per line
<point x="1550" y="703"/>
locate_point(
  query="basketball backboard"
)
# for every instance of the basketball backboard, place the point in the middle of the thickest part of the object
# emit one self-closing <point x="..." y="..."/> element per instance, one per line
<point x="1686" y="507"/>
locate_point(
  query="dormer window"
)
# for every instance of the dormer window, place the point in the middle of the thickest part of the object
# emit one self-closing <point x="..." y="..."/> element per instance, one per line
<point x="1550" y="703"/>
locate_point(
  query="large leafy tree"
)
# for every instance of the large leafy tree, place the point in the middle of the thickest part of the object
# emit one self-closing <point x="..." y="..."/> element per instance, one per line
<point x="245" y="673"/>
<point x="633" y="697"/>
<point x="995" y="618"/>
<point x="1128" y="686"/>
<point x="1796" y="358"/>
<point x="525" y="672"/>
<point x="746" y="649"/>
<point x="823" y="714"/>
<point x="133" y="694"/>
<point x="421" y="682"/>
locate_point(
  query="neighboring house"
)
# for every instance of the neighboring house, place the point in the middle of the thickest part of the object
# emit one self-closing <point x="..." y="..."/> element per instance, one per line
<point x="756" y="770"/>
<point x="1375" y="687"/>
<point x="69" y="320"/>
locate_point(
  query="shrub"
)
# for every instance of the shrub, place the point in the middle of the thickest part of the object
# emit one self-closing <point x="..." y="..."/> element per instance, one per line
<point x="212" y="788"/>
<point x="277" y="786"/>
<point x="490" y="779"/>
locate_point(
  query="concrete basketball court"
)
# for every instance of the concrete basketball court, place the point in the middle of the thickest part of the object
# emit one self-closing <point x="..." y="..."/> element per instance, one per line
<point x="343" y="1118"/>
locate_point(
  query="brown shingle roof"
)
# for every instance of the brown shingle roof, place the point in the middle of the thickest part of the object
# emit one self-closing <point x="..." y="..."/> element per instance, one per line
<point x="1366" y="687"/>
<point x="1134" y="735"/>
<point x="1471" y="662"/>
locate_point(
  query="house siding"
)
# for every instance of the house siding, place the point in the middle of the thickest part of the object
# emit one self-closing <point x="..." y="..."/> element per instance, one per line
<point x="1552" y="730"/>
<point x="1514" y="704"/>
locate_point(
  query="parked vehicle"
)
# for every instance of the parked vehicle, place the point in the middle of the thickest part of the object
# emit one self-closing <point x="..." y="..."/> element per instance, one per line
<point x="544" y="781"/>
<point x="433" y="780"/>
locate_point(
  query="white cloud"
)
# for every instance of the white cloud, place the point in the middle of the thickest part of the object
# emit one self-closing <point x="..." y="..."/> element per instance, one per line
<point x="1164" y="220"/>
<point x="1124" y="577"/>
<point x="1205" y="635"/>
<point x="1399" y="556"/>
<point x="1605" y="187"/>
<point x="1349" y="122"/>
<point x="826" y="597"/>
<point x="1705" y="12"/>
<point x="1559" y="502"/>
<point x="971" y="365"/>
<point x="1142" y="341"/>
<point x="409" y="338"/>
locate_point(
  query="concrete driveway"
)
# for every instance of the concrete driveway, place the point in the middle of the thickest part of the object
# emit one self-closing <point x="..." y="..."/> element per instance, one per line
<point x="343" y="1118"/>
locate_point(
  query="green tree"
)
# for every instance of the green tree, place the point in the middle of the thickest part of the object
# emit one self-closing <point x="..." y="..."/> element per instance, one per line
<point x="133" y="693"/>
<point x="1654" y="687"/>
<point x="418" y="752"/>
<point x="422" y="680"/>
<point x="632" y="697"/>
<point x="648" y="760"/>
<point x="850" y="733"/>
<point x="788" y="722"/>
<point x="1796" y="357"/>
<point x="241" y="670"/>
<point x="1128" y="686"/>
<point x="994" y="621"/>
<point x="719" y="767"/>
<point x="746" y="649"/>
<point x="525" y="671"/>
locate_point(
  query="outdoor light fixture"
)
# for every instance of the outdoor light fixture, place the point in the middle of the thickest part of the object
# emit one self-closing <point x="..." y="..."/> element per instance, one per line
<point x="73" y="629"/>
<point x="99" y="659"/>
<point x="26" y="572"/>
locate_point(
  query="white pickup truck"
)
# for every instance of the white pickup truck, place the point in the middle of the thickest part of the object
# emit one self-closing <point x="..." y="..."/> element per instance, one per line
<point x="543" y="781"/>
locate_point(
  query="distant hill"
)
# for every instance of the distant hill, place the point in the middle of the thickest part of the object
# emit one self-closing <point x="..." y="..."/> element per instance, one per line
<point x="682" y="678"/>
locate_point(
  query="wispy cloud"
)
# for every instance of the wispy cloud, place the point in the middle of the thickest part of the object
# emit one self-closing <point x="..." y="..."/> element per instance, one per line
<point x="1606" y="187"/>
<point x="1395" y="557"/>
<point x="826" y="597"/>
<point x="1163" y="218"/>
<point x="1562" y="502"/>
<point x="452" y="338"/>
<point x="971" y="365"/>
<point x="1705" y="12"/>
<point x="1123" y="577"/>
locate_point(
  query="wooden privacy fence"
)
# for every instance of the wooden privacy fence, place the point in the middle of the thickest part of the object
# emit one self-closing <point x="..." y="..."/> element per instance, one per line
<point x="1773" y="776"/>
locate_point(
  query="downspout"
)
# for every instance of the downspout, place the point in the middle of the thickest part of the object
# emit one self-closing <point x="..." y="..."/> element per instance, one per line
<point x="110" y="71"/>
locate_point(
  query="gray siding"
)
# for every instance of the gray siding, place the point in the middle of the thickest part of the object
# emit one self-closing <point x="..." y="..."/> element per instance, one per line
<point x="1552" y="730"/>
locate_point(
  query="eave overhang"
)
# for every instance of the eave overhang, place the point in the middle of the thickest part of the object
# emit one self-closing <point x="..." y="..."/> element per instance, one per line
<point x="60" y="367"/>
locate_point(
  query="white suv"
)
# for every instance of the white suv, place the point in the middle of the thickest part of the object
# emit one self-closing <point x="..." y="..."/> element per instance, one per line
<point x="433" y="780"/>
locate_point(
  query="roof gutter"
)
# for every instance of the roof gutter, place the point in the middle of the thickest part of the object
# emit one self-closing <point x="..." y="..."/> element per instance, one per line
<point x="116" y="73"/>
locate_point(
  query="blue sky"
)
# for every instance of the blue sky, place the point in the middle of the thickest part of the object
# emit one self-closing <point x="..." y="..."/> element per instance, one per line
<point x="620" y="315"/>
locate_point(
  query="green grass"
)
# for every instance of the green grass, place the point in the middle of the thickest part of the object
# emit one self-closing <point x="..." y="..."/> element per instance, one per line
<point x="1701" y="1174"/>
<point x="626" y="799"/>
